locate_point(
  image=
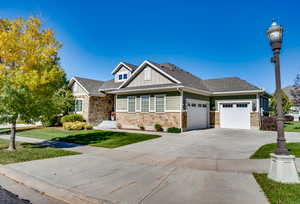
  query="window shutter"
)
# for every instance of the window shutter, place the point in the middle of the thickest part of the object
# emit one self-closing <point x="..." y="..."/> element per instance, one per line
<point x="131" y="104"/>
<point x="160" y="104"/>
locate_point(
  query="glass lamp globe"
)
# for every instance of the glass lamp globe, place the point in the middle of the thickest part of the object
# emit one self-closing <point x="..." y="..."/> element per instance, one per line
<point x="275" y="33"/>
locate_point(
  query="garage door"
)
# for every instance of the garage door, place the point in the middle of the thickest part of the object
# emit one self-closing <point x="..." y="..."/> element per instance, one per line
<point x="197" y="114"/>
<point x="235" y="115"/>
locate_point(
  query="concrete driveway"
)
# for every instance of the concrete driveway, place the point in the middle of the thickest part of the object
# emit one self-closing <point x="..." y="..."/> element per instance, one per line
<point x="204" y="166"/>
<point x="210" y="143"/>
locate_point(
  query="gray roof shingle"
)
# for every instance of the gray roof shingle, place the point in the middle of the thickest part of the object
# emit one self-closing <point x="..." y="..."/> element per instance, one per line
<point x="133" y="67"/>
<point x="288" y="91"/>
<point x="229" y="84"/>
<point x="90" y="85"/>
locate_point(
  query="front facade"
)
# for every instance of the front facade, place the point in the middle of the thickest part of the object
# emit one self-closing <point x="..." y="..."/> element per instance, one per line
<point x="149" y="94"/>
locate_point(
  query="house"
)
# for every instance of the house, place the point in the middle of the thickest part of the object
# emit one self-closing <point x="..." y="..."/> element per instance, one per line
<point x="152" y="93"/>
<point x="295" y="109"/>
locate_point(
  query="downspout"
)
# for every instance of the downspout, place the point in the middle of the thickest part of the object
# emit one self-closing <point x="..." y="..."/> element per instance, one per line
<point x="181" y="104"/>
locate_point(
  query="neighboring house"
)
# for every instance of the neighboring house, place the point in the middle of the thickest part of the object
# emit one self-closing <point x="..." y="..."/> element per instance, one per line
<point x="295" y="109"/>
<point x="164" y="94"/>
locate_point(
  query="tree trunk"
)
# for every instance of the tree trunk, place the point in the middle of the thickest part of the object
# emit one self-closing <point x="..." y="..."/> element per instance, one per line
<point x="12" y="142"/>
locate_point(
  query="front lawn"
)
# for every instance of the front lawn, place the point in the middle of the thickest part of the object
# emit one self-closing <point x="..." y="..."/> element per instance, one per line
<point x="98" y="138"/>
<point x="278" y="192"/>
<point x="292" y="126"/>
<point x="28" y="152"/>
<point x="264" y="151"/>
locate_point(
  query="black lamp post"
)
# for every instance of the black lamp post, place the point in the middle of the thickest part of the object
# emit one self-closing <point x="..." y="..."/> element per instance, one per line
<point x="275" y="37"/>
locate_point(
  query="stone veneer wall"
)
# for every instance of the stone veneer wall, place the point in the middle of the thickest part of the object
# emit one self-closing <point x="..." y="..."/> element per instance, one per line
<point x="148" y="120"/>
<point x="255" y="120"/>
<point x="214" y="119"/>
<point x="99" y="108"/>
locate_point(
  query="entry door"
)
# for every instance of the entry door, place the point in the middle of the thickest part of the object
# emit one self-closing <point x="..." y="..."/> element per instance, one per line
<point x="197" y="114"/>
<point x="235" y="115"/>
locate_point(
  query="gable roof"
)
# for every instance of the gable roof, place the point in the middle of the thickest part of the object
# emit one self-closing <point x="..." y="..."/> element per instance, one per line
<point x="180" y="77"/>
<point x="128" y="66"/>
<point x="89" y="85"/>
<point x="229" y="84"/>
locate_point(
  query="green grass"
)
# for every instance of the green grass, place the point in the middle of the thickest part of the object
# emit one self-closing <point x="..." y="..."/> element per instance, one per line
<point x="28" y="152"/>
<point x="292" y="127"/>
<point x="278" y="193"/>
<point x="264" y="151"/>
<point x="98" y="138"/>
<point x="4" y="131"/>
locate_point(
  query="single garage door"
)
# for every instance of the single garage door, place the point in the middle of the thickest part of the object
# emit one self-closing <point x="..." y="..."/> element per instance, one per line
<point x="197" y="114"/>
<point x="235" y="115"/>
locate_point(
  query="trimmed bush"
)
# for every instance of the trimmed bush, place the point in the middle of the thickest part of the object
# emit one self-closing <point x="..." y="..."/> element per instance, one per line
<point x="72" y="118"/>
<point x="77" y="126"/>
<point x="141" y="127"/>
<point x="158" y="128"/>
<point x="174" y="130"/>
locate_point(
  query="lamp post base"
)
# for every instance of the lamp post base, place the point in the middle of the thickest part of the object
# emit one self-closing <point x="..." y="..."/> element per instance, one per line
<point x="283" y="169"/>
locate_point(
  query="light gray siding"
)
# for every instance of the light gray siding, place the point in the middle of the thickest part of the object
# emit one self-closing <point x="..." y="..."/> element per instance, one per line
<point x="122" y="70"/>
<point x="77" y="90"/>
<point x="121" y="103"/>
<point x="172" y="102"/>
<point x="156" y="78"/>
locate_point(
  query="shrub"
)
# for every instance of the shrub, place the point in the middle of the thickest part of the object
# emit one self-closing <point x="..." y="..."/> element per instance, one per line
<point x="88" y="127"/>
<point x="289" y="118"/>
<point x="72" y="118"/>
<point x="174" y="130"/>
<point x="141" y="127"/>
<point x="51" y="121"/>
<point x="158" y="128"/>
<point x="76" y="126"/>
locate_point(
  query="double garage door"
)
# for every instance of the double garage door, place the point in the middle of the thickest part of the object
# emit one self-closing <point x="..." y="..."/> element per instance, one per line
<point x="235" y="115"/>
<point x="197" y="114"/>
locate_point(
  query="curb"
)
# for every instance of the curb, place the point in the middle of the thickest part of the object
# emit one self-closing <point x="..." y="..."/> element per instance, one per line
<point x="50" y="190"/>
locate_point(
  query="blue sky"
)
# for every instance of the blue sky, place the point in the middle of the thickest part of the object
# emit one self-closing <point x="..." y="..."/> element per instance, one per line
<point x="210" y="39"/>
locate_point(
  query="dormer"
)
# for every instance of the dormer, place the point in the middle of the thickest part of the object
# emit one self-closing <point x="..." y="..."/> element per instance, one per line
<point x="123" y="71"/>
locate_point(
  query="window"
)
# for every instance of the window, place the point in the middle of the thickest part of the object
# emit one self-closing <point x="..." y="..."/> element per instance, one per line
<point x="227" y="105"/>
<point x="204" y="105"/>
<point x="145" y="103"/>
<point x="131" y="104"/>
<point x="193" y="105"/>
<point x="147" y="73"/>
<point x="160" y="103"/>
<point x="124" y="76"/>
<point x="242" y="105"/>
<point x="199" y="105"/>
<point x="78" y="105"/>
<point x="120" y="76"/>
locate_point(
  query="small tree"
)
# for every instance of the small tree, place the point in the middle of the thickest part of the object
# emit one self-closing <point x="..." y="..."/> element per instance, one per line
<point x="286" y="103"/>
<point x="30" y="74"/>
<point x="295" y="92"/>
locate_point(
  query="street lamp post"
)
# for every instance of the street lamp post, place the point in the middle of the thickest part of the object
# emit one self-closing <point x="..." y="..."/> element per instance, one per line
<point x="283" y="167"/>
<point x="275" y="37"/>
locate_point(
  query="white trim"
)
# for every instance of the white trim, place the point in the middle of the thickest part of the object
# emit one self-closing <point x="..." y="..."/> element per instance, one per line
<point x="197" y="91"/>
<point x="165" y="102"/>
<point x="82" y="105"/>
<point x="237" y="92"/>
<point x="118" y="110"/>
<point x="218" y="102"/>
<point x="136" y="98"/>
<point x="146" y="89"/>
<point x="119" y="66"/>
<point x="258" y="104"/>
<point x="149" y="96"/>
<point x="75" y="80"/>
<point x="80" y="94"/>
<point x="152" y="66"/>
<point x="134" y="104"/>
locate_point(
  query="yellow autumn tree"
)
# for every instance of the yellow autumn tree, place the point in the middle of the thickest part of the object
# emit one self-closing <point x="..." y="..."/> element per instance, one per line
<point x="29" y="71"/>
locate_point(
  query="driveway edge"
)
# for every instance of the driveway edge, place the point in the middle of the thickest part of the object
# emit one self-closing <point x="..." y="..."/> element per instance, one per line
<point x="50" y="190"/>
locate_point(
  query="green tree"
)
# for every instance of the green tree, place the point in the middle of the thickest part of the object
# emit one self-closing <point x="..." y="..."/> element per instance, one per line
<point x="30" y="74"/>
<point x="286" y="103"/>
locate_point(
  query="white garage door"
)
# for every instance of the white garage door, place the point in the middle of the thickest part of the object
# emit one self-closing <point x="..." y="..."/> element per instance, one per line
<point x="197" y="114"/>
<point x="235" y="115"/>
